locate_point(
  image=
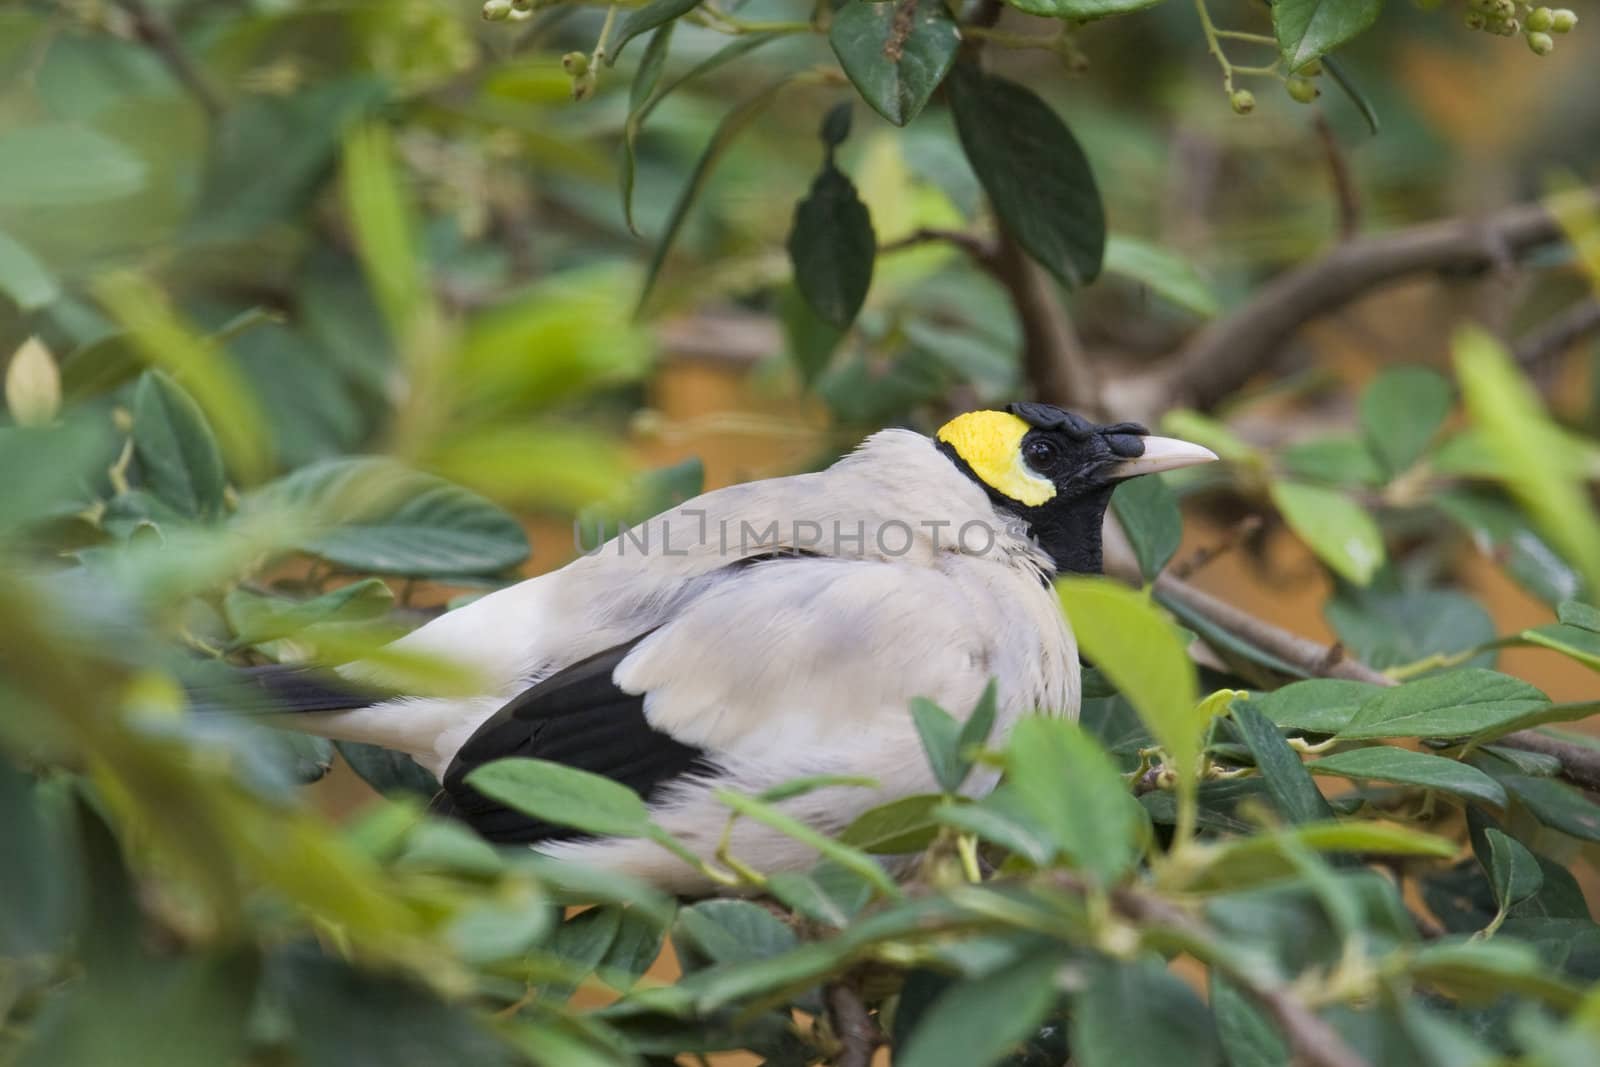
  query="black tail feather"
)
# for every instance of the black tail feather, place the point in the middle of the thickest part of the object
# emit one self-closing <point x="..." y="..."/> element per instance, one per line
<point x="274" y="688"/>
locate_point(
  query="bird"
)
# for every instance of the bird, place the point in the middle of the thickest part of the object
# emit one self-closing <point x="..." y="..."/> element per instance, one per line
<point x="769" y="631"/>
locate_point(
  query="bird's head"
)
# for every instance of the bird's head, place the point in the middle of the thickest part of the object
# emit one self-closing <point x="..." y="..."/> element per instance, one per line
<point x="1055" y="470"/>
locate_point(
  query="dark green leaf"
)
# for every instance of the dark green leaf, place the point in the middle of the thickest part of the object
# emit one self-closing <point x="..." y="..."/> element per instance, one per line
<point x="1308" y="29"/>
<point x="1388" y="764"/>
<point x="34" y="883"/>
<point x="635" y="947"/>
<point x="1577" y="613"/>
<point x="177" y="451"/>
<point x="389" y="772"/>
<point x="382" y="518"/>
<point x="1514" y="872"/>
<point x="1141" y="1013"/>
<point x="639" y="109"/>
<point x="809" y="341"/>
<point x="646" y="18"/>
<point x="1148" y="512"/>
<point x="648" y="74"/>
<point x="941" y="743"/>
<point x="832" y="248"/>
<point x="1246" y="1034"/>
<point x="979" y="725"/>
<point x="563" y="795"/>
<point x="1388" y="629"/>
<point x="1033" y="170"/>
<point x="1000" y="818"/>
<point x="1401" y="411"/>
<point x="1316" y="705"/>
<point x="1558" y="806"/>
<point x="835" y="128"/>
<point x="895" y="54"/>
<point x="734" y="931"/>
<point x="975" y="1022"/>
<point x="65" y="163"/>
<point x="732" y="124"/>
<point x="1341" y="461"/>
<point x="1296" y="795"/>
<point x="1067" y="784"/>
<point x="1458" y="703"/>
<point x="900" y="826"/>
<point x="1505" y="534"/>
<point x="24" y="279"/>
<point x="1352" y="91"/>
<point x="1489" y="968"/>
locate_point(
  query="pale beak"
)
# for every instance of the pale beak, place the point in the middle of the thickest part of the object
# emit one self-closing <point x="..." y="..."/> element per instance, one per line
<point x="1162" y="454"/>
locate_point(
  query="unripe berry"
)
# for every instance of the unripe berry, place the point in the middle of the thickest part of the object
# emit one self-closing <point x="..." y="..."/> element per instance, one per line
<point x="496" y="10"/>
<point x="575" y="64"/>
<point x="1510" y="28"/>
<point x="1303" y="90"/>
<point x="1243" y="101"/>
<point x="1562" y="20"/>
<point x="1541" y="43"/>
<point x="1539" y="19"/>
<point x="1311" y="69"/>
<point x="1505" y="8"/>
<point x="1474" y="20"/>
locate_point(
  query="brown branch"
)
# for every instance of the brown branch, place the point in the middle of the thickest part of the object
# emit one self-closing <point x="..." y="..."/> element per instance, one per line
<point x="1345" y="194"/>
<point x="1053" y="359"/>
<point x="978" y="247"/>
<point x="1580" y="764"/>
<point x="859" y="1036"/>
<point x="156" y="33"/>
<point x="1559" y="334"/>
<point x="1225" y="354"/>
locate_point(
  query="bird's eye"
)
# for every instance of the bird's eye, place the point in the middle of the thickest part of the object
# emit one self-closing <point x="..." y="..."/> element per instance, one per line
<point x="1041" y="453"/>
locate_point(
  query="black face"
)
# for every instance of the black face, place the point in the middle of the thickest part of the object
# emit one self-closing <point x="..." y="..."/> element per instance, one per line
<point x="1078" y="456"/>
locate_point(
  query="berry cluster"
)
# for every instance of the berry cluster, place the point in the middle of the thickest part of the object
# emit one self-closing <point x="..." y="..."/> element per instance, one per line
<point x="1536" y="24"/>
<point x="515" y="10"/>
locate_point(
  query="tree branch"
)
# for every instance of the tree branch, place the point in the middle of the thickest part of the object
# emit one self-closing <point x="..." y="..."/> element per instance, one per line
<point x="153" y="29"/>
<point x="1053" y="359"/>
<point x="1226" y="353"/>
<point x="1559" y="334"/>
<point x="1345" y="193"/>
<point x="858" y="1034"/>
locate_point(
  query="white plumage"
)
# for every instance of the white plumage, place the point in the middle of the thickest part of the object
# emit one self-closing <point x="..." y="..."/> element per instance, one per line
<point x="891" y="575"/>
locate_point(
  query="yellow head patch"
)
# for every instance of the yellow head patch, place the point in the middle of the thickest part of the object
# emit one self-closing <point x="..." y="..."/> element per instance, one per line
<point x="991" y="444"/>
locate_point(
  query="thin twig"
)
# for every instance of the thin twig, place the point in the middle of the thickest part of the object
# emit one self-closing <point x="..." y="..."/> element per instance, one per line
<point x="859" y="1036"/>
<point x="1241" y="532"/>
<point x="1228" y="352"/>
<point x="1345" y="194"/>
<point x="1580" y="764"/>
<point x="980" y="248"/>
<point x="153" y="29"/>
<point x="1559" y="334"/>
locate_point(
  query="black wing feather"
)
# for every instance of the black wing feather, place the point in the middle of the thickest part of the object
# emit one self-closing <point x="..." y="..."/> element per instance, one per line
<point x="577" y="717"/>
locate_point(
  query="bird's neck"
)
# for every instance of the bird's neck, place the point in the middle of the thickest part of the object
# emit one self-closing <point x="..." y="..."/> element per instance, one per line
<point x="1071" y="536"/>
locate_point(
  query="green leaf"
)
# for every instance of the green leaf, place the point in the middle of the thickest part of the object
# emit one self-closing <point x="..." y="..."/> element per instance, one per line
<point x="1247" y="1036"/>
<point x="1134" y="645"/>
<point x="900" y="826"/>
<point x="832" y="248"/>
<point x="1035" y="173"/>
<point x="1489" y="968"/>
<point x="809" y="341"/>
<point x="732" y="124"/>
<point x="177" y="452"/>
<point x="734" y="931"/>
<point x="1540" y="467"/>
<point x="1139" y="1013"/>
<point x="61" y="163"/>
<point x="976" y="1021"/>
<point x="1297" y="796"/>
<point x="389" y="772"/>
<point x="1064" y="781"/>
<point x="28" y="283"/>
<point x="256" y="618"/>
<point x="1316" y="705"/>
<point x="1339" y="461"/>
<point x="1513" y="871"/>
<point x="36" y="887"/>
<point x="1336" y="529"/>
<point x="1084" y="10"/>
<point x="564" y="795"/>
<point x="1391" y="628"/>
<point x="643" y="101"/>
<point x="1502" y="533"/>
<point x="374" y="515"/>
<point x="1000" y="818"/>
<point x="1458" y="703"/>
<point x="1163" y="271"/>
<point x="852" y="859"/>
<point x="1577" y="613"/>
<point x="895" y="59"/>
<point x="646" y="18"/>
<point x="1575" y="642"/>
<point x="1558" y="806"/>
<point x="1148" y="512"/>
<point x="1386" y="763"/>
<point x="1274" y="856"/>
<point x="1401" y="411"/>
<point x="979" y="725"/>
<point x="1308" y="29"/>
<point x="940" y="734"/>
